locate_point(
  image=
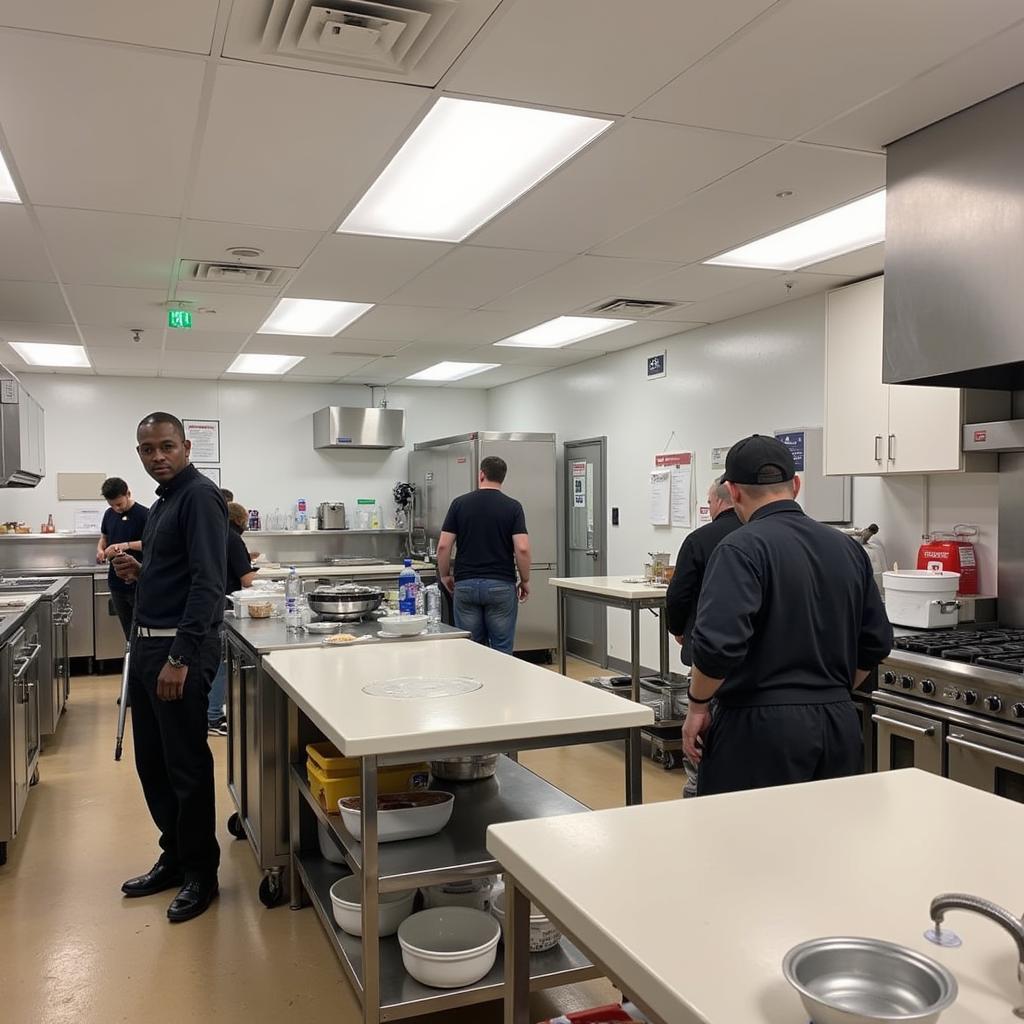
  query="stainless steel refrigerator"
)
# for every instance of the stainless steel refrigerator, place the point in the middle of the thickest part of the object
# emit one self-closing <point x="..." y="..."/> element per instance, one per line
<point x="445" y="468"/>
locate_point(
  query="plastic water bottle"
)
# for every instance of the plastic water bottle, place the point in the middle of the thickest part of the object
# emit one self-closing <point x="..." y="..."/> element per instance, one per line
<point x="408" y="589"/>
<point x="433" y="601"/>
<point x="293" y="600"/>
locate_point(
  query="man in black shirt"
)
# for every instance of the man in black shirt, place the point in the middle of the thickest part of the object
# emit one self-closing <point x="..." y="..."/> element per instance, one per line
<point x="490" y="529"/>
<point x="120" y="532"/>
<point x="179" y="606"/>
<point x="789" y="621"/>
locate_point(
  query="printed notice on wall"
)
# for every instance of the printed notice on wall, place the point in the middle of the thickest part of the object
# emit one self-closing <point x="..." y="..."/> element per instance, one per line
<point x="794" y="441"/>
<point x="661" y="497"/>
<point x="718" y="457"/>
<point x="680" y="468"/>
<point x="579" y="493"/>
<point x="211" y="473"/>
<point x="205" y="438"/>
<point x="87" y="520"/>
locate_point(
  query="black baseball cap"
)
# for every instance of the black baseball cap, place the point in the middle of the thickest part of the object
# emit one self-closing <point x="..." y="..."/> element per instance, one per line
<point x="758" y="460"/>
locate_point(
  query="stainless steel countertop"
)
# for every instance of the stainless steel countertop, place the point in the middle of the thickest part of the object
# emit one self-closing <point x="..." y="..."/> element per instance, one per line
<point x="10" y="622"/>
<point x="60" y="582"/>
<point x="264" y="635"/>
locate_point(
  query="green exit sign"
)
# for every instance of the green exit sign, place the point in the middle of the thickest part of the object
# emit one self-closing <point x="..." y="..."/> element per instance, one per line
<point x="180" y="319"/>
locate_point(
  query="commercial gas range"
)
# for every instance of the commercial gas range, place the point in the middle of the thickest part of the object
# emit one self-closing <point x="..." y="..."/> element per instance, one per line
<point x="952" y="703"/>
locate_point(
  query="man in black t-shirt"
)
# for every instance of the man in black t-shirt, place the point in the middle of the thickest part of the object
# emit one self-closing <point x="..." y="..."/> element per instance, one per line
<point x="490" y="530"/>
<point x="121" y="533"/>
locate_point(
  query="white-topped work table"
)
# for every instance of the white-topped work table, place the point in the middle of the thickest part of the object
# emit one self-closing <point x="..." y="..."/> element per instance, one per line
<point x="765" y="870"/>
<point x="519" y="706"/>
<point x="616" y="592"/>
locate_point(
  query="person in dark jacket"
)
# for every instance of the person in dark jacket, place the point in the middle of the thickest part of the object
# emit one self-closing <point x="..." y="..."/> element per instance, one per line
<point x="179" y="606"/>
<point x="788" y="623"/>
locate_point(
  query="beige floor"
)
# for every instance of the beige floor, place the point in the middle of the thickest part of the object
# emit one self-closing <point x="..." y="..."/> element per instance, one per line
<point x="75" y="952"/>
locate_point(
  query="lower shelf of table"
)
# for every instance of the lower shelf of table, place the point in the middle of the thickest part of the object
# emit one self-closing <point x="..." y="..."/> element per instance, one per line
<point x="401" y="996"/>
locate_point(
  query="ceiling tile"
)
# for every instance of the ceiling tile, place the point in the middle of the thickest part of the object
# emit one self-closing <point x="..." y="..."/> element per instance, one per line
<point x="809" y="61"/>
<point x="863" y="263"/>
<point x="743" y="205"/>
<point x="698" y="281"/>
<point x="507" y="356"/>
<point x="203" y="341"/>
<point x="22" y="255"/>
<point x="231" y="313"/>
<point x="361" y="268"/>
<point x="764" y="294"/>
<point x="358" y="346"/>
<point x="580" y="283"/>
<point x="634" y="171"/>
<point x="329" y="366"/>
<point x="205" y="365"/>
<point x="210" y="240"/>
<point x="472" y="276"/>
<point x="57" y="334"/>
<point x="972" y="76"/>
<point x="593" y="54"/>
<point x="638" y="334"/>
<point x="398" y="323"/>
<point x="118" y="307"/>
<point x="123" y="360"/>
<point x="32" y="301"/>
<point x="120" y="338"/>
<point x="379" y="372"/>
<point x="495" y="378"/>
<point x="183" y="25"/>
<point x="276" y="344"/>
<point x="292" y="149"/>
<point x="120" y="249"/>
<point x="120" y="143"/>
<point x="479" y="327"/>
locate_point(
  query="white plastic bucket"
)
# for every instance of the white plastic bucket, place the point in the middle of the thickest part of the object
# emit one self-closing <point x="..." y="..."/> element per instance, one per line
<point x="921" y="598"/>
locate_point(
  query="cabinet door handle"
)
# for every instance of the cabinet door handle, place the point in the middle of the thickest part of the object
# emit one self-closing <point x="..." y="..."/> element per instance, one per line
<point x="878" y="447"/>
<point x="892" y="448"/>
<point x="958" y="741"/>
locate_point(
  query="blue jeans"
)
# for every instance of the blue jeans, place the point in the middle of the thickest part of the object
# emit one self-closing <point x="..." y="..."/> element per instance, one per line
<point x="487" y="609"/>
<point x="215" y="707"/>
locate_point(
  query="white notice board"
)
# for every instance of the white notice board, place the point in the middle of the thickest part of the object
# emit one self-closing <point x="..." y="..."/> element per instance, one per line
<point x="679" y="466"/>
<point x="661" y="497"/>
<point x="205" y="438"/>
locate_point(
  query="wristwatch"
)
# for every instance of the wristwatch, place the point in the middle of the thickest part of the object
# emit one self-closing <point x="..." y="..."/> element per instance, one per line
<point x="176" y="662"/>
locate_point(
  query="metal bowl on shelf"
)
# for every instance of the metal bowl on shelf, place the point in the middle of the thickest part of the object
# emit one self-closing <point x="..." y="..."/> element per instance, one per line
<point x="465" y="769"/>
<point x="344" y="602"/>
<point x="868" y="981"/>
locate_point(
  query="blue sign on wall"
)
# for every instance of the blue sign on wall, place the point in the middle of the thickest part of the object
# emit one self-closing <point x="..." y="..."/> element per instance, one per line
<point x="794" y="441"/>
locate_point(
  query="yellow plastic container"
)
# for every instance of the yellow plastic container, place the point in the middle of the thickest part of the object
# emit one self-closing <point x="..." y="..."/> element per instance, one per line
<point x="332" y="776"/>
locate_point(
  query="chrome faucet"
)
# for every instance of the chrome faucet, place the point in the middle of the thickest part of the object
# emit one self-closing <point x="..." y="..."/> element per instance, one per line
<point x="962" y="901"/>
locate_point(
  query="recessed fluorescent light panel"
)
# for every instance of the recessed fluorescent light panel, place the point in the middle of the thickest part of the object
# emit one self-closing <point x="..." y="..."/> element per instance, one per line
<point x="8" y="193"/>
<point x="564" y="330"/>
<point x="452" y="371"/>
<point x="258" y="362"/>
<point x="464" y="163"/>
<point x="36" y="354"/>
<point x="842" y="230"/>
<point x="313" y="318"/>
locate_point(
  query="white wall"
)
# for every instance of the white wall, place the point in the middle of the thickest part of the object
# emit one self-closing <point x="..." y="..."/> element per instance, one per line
<point x="267" y="455"/>
<point x="756" y="373"/>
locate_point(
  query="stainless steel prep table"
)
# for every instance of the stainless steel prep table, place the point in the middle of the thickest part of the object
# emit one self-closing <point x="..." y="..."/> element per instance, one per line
<point x="257" y="734"/>
<point x="617" y="592"/>
<point x="518" y="706"/>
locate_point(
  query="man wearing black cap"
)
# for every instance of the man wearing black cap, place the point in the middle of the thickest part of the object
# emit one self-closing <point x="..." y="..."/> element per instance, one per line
<point x="789" y="622"/>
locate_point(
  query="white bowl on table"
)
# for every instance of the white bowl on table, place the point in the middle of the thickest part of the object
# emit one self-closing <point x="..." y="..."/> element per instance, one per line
<point x="347" y="901"/>
<point x="402" y="625"/>
<point x="543" y="934"/>
<point x="449" y="947"/>
<point x="401" y="815"/>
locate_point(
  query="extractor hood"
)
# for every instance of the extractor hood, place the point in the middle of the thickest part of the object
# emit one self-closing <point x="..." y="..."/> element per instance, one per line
<point x="337" y="426"/>
<point x="22" y="456"/>
<point x="954" y="250"/>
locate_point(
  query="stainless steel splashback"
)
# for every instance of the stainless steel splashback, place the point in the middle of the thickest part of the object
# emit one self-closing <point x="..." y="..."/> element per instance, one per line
<point x="954" y="259"/>
<point x="1011" y="539"/>
<point x="336" y="426"/>
<point x="22" y="455"/>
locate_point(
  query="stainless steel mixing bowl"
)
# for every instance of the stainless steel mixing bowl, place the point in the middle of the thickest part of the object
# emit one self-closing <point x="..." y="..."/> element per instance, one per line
<point x="868" y="981"/>
<point x="345" y="602"/>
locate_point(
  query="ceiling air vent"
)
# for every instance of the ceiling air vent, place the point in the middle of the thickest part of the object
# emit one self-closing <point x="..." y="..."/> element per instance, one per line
<point x="631" y="309"/>
<point x="205" y="275"/>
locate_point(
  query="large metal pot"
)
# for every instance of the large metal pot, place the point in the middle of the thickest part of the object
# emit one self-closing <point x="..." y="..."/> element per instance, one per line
<point x="345" y="602"/>
<point x="465" y="769"/>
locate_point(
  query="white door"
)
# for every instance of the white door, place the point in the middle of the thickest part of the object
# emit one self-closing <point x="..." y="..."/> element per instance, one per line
<point x="856" y="400"/>
<point x="924" y="429"/>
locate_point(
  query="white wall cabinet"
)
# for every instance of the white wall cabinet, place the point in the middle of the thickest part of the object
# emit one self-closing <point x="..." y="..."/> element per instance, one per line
<point x="872" y="428"/>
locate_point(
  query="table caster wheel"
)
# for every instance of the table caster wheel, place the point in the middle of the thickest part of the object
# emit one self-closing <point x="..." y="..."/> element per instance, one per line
<point x="235" y="826"/>
<point x="673" y="760"/>
<point x="271" y="891"/>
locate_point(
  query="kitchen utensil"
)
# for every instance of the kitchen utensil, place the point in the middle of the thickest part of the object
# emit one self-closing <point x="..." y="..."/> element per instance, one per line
<point x="323" y="627"/>
<point x="465" y="769"/>
<point x="921" y="599"/>
<point x="543" y="934"/>
<point x="474" y="893"/>
<point x="868" y="981"/>
<point x="345" y="602"/>
<point x="347" y="900"/>
<point x="330" y="515"/>
<point x="401" y="815"/>
<point x="449" y="947"/>
<point x="402" y="625"/>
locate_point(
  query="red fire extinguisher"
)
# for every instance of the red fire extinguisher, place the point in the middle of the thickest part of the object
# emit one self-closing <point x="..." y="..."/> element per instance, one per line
<point x="953" y="551"/>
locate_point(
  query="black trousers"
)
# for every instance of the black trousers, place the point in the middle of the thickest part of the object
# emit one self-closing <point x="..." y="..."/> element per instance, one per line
<point x="750" y="748"/>
<point x="172" y="755"/>
<point x="124" y="605"/>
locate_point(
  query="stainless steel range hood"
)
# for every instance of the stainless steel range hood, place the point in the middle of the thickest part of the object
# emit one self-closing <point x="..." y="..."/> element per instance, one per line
<point x="22" y="455"/>
<point x="954" y="250"/>
<point x="339" y="427"/>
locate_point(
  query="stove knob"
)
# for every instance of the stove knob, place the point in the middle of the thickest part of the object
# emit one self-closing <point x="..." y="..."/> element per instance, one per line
<point x="907" y="682"/>
<point x="971" y="697"/>
<point x="1017" y="710"/>
<point x="889" y="678"/>
<point x="993" y="704"/>
<point x="927" y="687"/>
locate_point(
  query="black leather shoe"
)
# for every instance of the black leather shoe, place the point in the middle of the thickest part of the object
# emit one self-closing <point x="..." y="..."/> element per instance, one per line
<point x="158" y="878"/>
<point x="192" y="899"/>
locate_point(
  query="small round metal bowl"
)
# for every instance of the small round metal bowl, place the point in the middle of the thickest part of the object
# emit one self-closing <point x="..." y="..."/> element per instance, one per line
<point x="465" y="769"/>
<point x="866" y="981"/>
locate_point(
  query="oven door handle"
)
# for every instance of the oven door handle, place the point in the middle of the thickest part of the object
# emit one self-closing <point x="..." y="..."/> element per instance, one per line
<point x="919" y="729"/>
<point x="958" y="741"/>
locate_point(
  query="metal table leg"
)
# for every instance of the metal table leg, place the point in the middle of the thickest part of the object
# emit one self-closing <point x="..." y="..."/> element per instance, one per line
<point x="664" y="645"/>
<point x="634" y="772"/>
<point x="371" y="891"/>
<point x="562" y="639"/>
<point x="294" y="828"/>
<point x="517" y="954"/>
